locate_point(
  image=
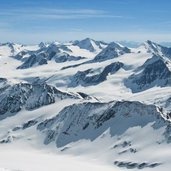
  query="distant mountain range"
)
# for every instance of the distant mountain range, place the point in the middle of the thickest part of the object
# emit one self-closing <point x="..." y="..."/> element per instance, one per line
<point x="109" y="101"/>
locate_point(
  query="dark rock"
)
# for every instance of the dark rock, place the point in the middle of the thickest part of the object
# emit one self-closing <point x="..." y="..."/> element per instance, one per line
<point x="82" y="78"/>
<point x="154" y="72"/>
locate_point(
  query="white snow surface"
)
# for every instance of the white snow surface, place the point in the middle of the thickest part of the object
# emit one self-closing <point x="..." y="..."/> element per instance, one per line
<point x="16" y="159"/>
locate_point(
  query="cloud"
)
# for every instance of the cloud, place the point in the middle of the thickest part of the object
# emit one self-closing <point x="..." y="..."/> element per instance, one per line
<point x="57" y="14"/>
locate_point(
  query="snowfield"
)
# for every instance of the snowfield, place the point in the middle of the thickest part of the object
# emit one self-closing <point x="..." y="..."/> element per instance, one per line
<point x="85" y="105"/>
<point x="25" y="158"/>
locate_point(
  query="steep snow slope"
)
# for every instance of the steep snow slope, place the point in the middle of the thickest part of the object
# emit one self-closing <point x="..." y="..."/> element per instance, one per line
<point x="157" y="49"/>
<point x="90" y="44"/>
<point x="89" y="120"/>
<point x="113" y="50"/>
<point x="154" y="72"/>
<point x="10" y="49"/>
<point x="29" y="96"/>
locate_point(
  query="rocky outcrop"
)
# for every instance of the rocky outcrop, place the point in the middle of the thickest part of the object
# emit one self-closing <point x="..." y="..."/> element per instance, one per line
<point x="83" y="78"/>
<point x="89" y="120"/>
<point x="113" y="50"/>
<point x="15" y="97"/>
<point x="154" y="72"/>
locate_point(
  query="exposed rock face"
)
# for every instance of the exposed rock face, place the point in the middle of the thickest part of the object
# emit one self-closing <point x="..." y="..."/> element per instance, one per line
<point x="29" y="96"/>
<point x="34" y="60"/>
<point x="66" y="57"/>
<point x="83" y="78"/>
<point x="58" y="53"/>
<point x="113" y="50"/>
<point x="154" y="72"/>
<point x="89" y="120"/>
<point x="157" y="49"/>
<point x="134" y="165"/>
<point x="21" y="54"/>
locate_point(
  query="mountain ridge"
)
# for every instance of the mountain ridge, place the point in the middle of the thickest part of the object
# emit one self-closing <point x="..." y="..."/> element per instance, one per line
<point x="89" y="98"/>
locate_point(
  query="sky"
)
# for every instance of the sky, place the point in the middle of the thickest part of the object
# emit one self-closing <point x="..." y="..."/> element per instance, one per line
<point x="33" y="21"/>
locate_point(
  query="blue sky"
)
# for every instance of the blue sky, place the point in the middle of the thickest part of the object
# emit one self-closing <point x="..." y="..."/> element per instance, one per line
<point x="33" y="21"/>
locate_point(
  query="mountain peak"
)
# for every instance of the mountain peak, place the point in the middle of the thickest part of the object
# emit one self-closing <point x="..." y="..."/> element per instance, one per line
<point x="90" y="44"/>
<point x="111" y="51"/>
<point x="42" y="44"/>
<point x="88" y="39"/>
<point x="157" y="49"/>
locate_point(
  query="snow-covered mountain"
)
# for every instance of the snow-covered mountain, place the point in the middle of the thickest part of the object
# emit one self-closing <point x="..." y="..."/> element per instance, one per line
<point x="89" y="99"/>
<point x="58" y="52"/>
<point x="157" y="49"/>
<point x="154" y="72"/>
<point x="29" y="96"/>
<point x="113" y="50"/>
<point x="90" y="120"/>
<point x="93" y="77"/>
<point x="90" y="44"/>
